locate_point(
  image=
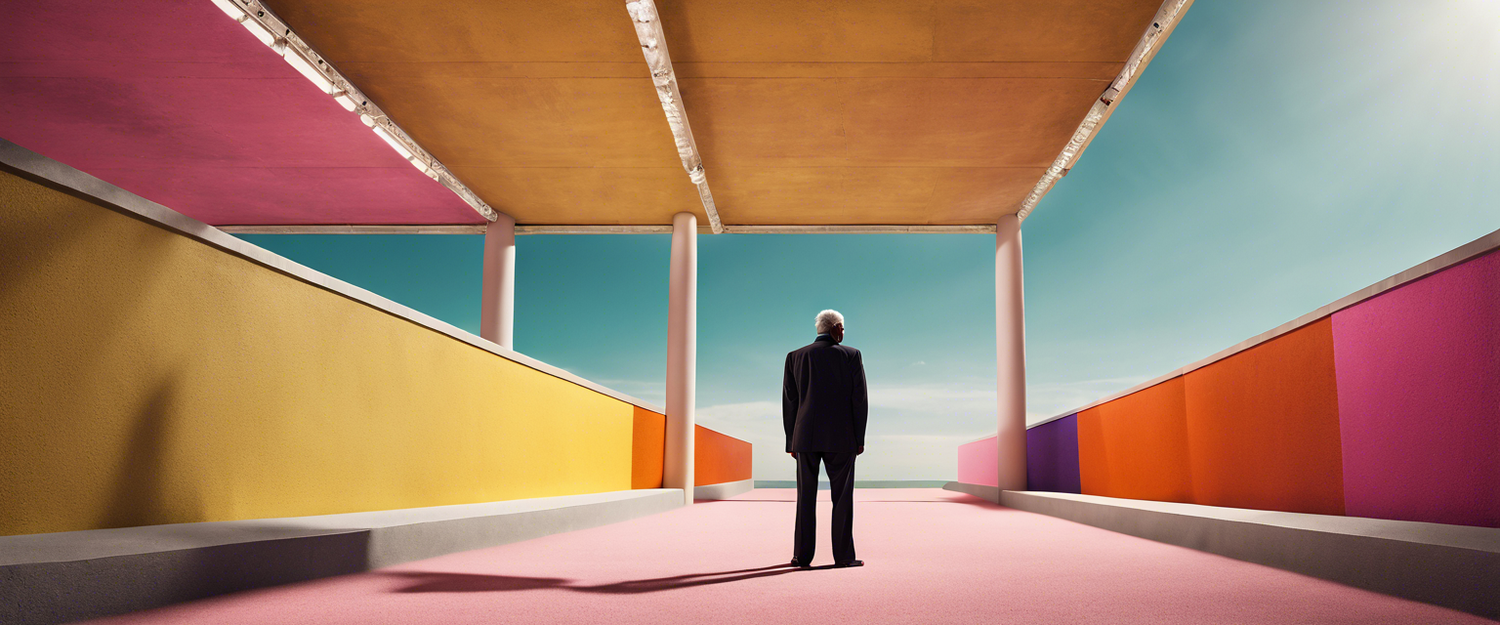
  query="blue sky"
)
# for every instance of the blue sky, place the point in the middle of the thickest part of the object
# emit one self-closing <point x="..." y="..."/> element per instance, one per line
<point x="1274" y="157"/>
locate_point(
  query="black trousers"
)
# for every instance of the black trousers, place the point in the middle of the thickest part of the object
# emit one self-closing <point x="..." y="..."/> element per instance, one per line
<point x="841" y="488"/>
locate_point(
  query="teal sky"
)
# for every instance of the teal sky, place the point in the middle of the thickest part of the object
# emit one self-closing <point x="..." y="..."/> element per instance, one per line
<point x="1274" y="157"/>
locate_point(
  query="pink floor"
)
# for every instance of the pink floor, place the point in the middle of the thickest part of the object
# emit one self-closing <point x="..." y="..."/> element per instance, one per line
<point x="932" y="557"/>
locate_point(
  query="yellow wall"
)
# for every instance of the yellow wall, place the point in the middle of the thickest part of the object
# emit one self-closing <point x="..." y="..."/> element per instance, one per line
<point x="149" y="378"/>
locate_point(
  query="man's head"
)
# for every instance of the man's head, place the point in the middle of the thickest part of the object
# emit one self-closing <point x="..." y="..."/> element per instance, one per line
<point x="830" y="322"/>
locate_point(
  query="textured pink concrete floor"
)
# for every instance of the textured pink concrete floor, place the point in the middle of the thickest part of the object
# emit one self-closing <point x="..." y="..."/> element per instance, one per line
<point x="931" y="557"/>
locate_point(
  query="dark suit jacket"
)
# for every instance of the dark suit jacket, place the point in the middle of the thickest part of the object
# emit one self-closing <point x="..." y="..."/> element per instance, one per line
<point x="824" y="404"/>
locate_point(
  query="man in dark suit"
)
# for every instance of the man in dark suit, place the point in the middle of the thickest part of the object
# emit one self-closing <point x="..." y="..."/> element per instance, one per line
<point x="824" y="406"/>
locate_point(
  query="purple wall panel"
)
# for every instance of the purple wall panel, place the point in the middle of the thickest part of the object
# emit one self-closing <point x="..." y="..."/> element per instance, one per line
<point x="1052" y="456"/>
<point x="1419" y="398"/>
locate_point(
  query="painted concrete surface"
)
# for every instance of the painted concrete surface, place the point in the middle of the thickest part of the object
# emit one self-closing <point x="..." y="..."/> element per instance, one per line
<point x="719" y="458"/>
<point x="177" y="103"/>
<point x="723" y="490"/>
<point x="61" y="577"/>
<point x="1263" y="427"/>
<point x="1383" y="404"/>
<point x="1137" y="446"/>
<point x="151" y="379"/>
<point x="977" y="462"/>
<point x="1052" y="456"/>
<point x="1450" y="565"/>
<point x="931" y="557"/>
<point x="1419" y="398"/>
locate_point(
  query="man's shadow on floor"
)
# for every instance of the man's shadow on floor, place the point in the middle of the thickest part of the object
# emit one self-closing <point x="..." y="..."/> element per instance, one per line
<point x="473" y="582"/>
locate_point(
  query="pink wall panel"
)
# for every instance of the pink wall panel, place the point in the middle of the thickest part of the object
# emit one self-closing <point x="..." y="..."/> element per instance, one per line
<point x="175" y="102"/>
<point x="979" y="462"/>
<point x="1419" y="398"/>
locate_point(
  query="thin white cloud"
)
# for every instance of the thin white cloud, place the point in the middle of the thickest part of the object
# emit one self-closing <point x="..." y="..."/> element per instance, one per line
<point x="945" y="398"/>
<point x="1044" y="401"/>
<point x="653" y="391"/>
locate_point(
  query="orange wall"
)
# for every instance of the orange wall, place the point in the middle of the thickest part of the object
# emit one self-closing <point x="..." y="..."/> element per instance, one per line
<point x="648" y="443"/>
<point x="719" y="458"/>
<point x="1263" y="426"/>
<point x="1259" y="429"/>
<point x="1136" y="447"/>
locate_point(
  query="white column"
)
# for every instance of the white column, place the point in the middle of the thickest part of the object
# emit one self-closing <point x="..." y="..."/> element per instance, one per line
<point x="1010" y="354"/>
<point x="497" y="309"/>
<point x="682" y="355"/>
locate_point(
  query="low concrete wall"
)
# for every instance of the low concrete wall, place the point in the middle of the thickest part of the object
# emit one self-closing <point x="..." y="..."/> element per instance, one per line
<point x="1453" y="566"/>
<point x="723" y="490"/>
<point x="67" y="576"/>
<point x="983" y="491"/>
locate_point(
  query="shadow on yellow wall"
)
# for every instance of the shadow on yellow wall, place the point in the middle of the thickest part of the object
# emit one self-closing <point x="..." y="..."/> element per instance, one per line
<point x="151" y="378"/>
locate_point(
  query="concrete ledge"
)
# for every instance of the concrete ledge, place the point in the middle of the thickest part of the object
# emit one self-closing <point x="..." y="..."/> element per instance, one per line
<point x="67" y="576"/>
<point x="723" y="490"/>
<point x="987" y="493"/>
<point x="1453" y="566"/>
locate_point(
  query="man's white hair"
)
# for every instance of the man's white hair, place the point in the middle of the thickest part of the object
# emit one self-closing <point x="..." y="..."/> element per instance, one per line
<point x="827" y="320"/>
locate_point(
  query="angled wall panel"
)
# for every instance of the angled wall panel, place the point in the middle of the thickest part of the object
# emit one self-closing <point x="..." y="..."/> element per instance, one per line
<point x="1052" y="456"/>
<point x="648" y="448"/>
<point x="1263" y="426"/>
<point x="1419" y="398"/>
<point x="1136" y="447"/>
<point x="174" y="101"/>
<point x="152" y="378"/>
<point x="978" y="462"/>
<point x="719" y="458"/>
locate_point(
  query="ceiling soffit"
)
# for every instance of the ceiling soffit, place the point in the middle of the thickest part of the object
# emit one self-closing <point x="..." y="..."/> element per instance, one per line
<point x="870" y="112"/>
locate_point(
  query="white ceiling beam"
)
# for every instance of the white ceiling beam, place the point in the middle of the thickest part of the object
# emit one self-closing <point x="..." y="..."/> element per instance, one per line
<point x="566" y="229"/>
<point x="864" y="229"/>
<point x="1161" y="27"/>
<point x="354" y="229"/>
<point x="648" y="30"/>
<point x="275" y="33"/>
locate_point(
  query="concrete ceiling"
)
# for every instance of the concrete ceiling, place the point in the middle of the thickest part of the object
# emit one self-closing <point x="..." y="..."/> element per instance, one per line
<point x="806" y="113"/>
<point x="890" y="112"/>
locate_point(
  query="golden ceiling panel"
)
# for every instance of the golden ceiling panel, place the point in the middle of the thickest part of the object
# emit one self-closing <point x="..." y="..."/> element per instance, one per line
<point x="806" y="113"/>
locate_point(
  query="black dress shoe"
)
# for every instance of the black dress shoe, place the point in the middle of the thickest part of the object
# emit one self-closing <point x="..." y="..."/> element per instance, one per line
<point x="800" y="564"/>
<point x="845" y="565"/>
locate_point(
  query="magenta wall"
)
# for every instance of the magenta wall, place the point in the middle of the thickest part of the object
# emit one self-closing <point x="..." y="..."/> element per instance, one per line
<point x="979" y="462"/>
<point x="175" y="102"/>
<point x="1419" y="398"/>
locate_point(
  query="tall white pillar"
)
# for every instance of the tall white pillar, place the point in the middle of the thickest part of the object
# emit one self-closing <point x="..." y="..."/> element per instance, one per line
<point x="497" y="309"/>
<point x="1010" y="354"/>
<point x="682" y="355"/>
